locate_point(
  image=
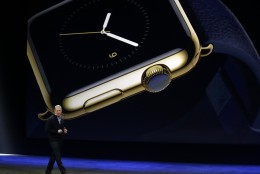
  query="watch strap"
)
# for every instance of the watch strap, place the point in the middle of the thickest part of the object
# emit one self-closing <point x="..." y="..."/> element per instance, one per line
<point x="214" y="23"/>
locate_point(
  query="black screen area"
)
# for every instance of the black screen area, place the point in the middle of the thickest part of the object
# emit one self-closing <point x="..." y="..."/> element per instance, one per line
<point x="185" y="112"/>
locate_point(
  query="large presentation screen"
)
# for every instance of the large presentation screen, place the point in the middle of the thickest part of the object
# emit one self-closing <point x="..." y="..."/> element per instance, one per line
<point x="192" y="109"/>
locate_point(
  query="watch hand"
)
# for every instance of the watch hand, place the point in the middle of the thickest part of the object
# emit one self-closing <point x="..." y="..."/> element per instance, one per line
<point x="113" y="35"/>
<point x="81" y="33"/>
<point x="121" y="39"/>
<point x="106" y="22"/>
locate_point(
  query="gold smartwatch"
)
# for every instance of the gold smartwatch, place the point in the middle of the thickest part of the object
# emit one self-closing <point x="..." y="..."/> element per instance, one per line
<point x="89" y="54"/>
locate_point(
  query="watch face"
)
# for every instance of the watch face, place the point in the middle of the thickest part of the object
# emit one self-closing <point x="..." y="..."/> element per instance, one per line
<point x="99" y="35"/>
<point x="77" y="43"/>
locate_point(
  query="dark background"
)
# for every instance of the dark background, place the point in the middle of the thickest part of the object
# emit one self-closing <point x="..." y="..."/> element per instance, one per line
<point x="14" y="104"/>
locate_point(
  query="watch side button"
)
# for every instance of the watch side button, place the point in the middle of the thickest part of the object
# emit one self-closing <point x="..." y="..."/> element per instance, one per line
<point x="156" y="78"/>
<point x="103" y="100"/>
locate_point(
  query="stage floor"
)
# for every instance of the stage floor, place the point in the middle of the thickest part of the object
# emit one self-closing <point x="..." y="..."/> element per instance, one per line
<point x="23" y="164"/>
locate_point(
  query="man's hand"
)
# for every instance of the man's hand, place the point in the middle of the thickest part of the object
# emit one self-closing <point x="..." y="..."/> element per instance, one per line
<point x="65" y="130"/>
<point x="60" y="131"/>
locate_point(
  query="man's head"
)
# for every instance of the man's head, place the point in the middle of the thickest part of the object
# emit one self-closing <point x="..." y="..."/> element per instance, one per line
<point x="58" y="110"/>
